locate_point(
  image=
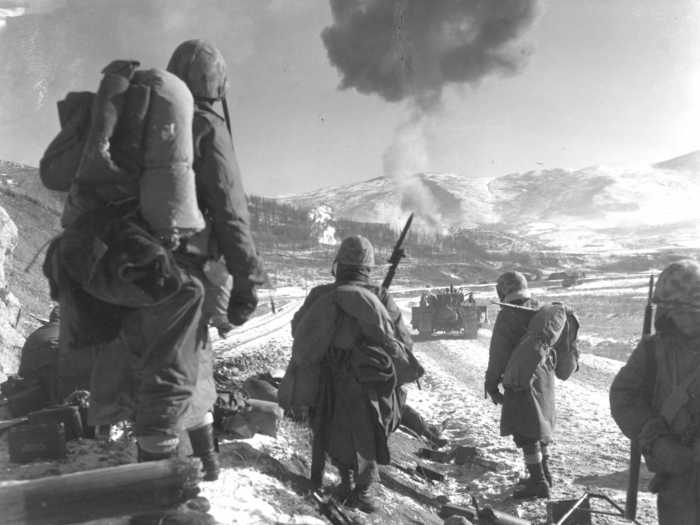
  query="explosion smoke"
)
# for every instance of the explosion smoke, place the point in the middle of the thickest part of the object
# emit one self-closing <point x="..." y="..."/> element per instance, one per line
<point x="402" y="49"/>
<point x="323" y="228"/>
<point x="412" y="49"/>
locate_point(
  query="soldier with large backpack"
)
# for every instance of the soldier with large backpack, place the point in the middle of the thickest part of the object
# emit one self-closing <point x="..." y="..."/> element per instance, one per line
<point x="127" y="270"/>
<point x="530" y="346"/>
<point x="655" y="397"/>
<point x="348" y="362"/>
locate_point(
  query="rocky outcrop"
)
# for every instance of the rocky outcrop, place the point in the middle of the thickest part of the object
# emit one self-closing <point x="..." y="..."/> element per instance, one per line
<point x="10" y="339"/>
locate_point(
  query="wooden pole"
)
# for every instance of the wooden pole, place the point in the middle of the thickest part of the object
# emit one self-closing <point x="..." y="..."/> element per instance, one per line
<point x="100" y="493"/>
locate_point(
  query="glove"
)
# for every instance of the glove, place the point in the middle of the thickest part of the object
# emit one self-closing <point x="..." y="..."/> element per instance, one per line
<point x="496" y="396"/>
<point x="243" y="301"/>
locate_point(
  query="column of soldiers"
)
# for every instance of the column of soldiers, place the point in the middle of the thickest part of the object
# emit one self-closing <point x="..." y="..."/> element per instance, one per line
<point x="156" y="365"/>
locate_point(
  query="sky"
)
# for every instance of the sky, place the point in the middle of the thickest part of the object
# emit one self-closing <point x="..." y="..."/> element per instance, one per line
<point x="573" y="83"/>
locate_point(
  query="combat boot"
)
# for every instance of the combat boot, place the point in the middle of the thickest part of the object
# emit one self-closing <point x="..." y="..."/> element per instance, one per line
<point x="535" y="486"/>
<point x="361" y="499"/>
<point x="204" y="447"/>
<point x="344" y="489"/>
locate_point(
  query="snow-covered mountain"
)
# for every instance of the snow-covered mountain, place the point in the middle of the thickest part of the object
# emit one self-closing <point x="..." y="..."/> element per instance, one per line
<point x="439" y="200"/>
<point x="599" y="208"/>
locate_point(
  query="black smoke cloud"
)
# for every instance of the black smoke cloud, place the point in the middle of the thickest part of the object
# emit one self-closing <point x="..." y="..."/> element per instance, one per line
<point x="402" y="49"/>
<point x="63" y="47"/>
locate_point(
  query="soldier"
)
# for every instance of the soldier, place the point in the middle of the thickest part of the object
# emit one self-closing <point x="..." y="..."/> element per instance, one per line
<point x="527" y="415"/>
<point x="226" y="248"/>
<point x="40" y="353"/>
<point x="357" y="401"/>
<point x="655" y="397"/>
<point x="155" y="364"/>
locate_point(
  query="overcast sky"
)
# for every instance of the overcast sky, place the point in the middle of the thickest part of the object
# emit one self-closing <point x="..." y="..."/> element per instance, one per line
<point x="600" y="82"/>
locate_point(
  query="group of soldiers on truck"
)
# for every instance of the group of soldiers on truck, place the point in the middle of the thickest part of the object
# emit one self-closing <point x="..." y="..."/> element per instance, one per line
<point x="157" y="245"/>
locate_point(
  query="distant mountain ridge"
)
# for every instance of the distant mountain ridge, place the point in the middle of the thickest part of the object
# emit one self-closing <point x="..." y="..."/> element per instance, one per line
<point x="596" y="208"/>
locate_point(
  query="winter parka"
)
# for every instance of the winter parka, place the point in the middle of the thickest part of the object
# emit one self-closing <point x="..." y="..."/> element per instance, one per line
<point x="528" y="414"/>
<point x="348" y="365"/>
<point x="671" y="448"/>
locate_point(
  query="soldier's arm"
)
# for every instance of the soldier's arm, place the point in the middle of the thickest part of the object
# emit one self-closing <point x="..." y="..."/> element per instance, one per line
<point x="629" y="394"/>
<point x="401" y="331"/>
<point x="221" y="193"/>
<point x="503" y="340"/>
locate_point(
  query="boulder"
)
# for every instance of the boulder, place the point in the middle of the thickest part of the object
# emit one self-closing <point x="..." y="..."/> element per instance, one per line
<point x="10" y="339"/>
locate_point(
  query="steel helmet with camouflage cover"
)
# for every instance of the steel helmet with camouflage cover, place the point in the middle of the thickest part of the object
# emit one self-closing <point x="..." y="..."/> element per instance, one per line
<point x="677" y="296"/>
<point x="202" y="67"/>
<point x="511" y="286"/>
<point x="355" y="250"/>
<point x="679" y="285"/>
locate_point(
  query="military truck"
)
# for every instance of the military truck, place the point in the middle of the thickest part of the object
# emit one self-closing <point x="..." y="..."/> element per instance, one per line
<point x="449" y="311"/>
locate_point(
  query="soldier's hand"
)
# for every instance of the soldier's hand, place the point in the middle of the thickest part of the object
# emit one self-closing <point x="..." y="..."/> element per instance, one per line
<point x="243" y="301"/>
<point x="496" y="396"/>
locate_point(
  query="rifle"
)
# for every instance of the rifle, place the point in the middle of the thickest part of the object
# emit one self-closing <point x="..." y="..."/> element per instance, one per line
<point x="397" y="254"/>
<point x="330" y="509"/>
<point x="635" y="451"/>
<point x="318" y="453"/>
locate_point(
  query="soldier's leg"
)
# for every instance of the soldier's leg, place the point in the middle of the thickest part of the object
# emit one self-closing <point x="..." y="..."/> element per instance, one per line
<point x="168" y="363"/>
<point x="535" y="486"/>
<point x="545" y="463"/>
<point x="199" y="420"/>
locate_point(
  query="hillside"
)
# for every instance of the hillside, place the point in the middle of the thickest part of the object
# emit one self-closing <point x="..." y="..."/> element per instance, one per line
<point x="593" y="210"/>
<point x="36" y="211"/>
<point x="441" y="201"/>
<point x="465" y="230"/>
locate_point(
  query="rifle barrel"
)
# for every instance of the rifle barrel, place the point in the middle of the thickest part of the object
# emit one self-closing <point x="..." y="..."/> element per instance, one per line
<point x="635" y="451"/>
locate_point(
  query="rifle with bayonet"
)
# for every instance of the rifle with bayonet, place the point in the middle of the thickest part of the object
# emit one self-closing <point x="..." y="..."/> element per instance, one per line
<point x="318" y="454"/>
<point x="635" y="451"/>
<point x="397" y="254"/>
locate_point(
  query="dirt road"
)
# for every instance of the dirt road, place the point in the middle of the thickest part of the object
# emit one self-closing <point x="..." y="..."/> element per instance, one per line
<point x="589" y="452"/>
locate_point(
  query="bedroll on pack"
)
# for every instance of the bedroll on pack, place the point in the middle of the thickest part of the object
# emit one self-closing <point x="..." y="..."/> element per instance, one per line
<point x="548" y="336"/>
<point x="60" y="161"/>
<point x="167" y="191"/>
<point x="132" y="139"/>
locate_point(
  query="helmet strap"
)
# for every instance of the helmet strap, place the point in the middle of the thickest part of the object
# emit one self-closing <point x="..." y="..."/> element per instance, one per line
<point x="227" y="116"/>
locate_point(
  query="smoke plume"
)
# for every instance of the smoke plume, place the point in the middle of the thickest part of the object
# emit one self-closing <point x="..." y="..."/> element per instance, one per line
<point x="402" y="49"/>
<point x="411" y="50"/>
<point x="61" y="45"/>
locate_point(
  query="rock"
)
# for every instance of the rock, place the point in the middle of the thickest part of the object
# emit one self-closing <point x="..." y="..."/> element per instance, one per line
<point x="11" y="340"/>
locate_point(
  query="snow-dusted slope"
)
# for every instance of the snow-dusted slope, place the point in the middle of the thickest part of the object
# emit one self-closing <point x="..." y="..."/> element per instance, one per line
<point x="605" y="208"/>
<point x="438" y="199"/>
<point x="597" y="208"/>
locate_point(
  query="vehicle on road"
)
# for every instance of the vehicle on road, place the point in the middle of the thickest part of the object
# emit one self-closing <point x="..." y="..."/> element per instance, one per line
<point x="448" y="311"/>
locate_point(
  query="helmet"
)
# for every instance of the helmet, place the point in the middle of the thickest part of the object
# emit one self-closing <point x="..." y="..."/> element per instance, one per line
<point x="679" y="286"/>
<point x="355" y="250"/>
<point x="512" y="285"/>
<point x="202" y="67"/>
